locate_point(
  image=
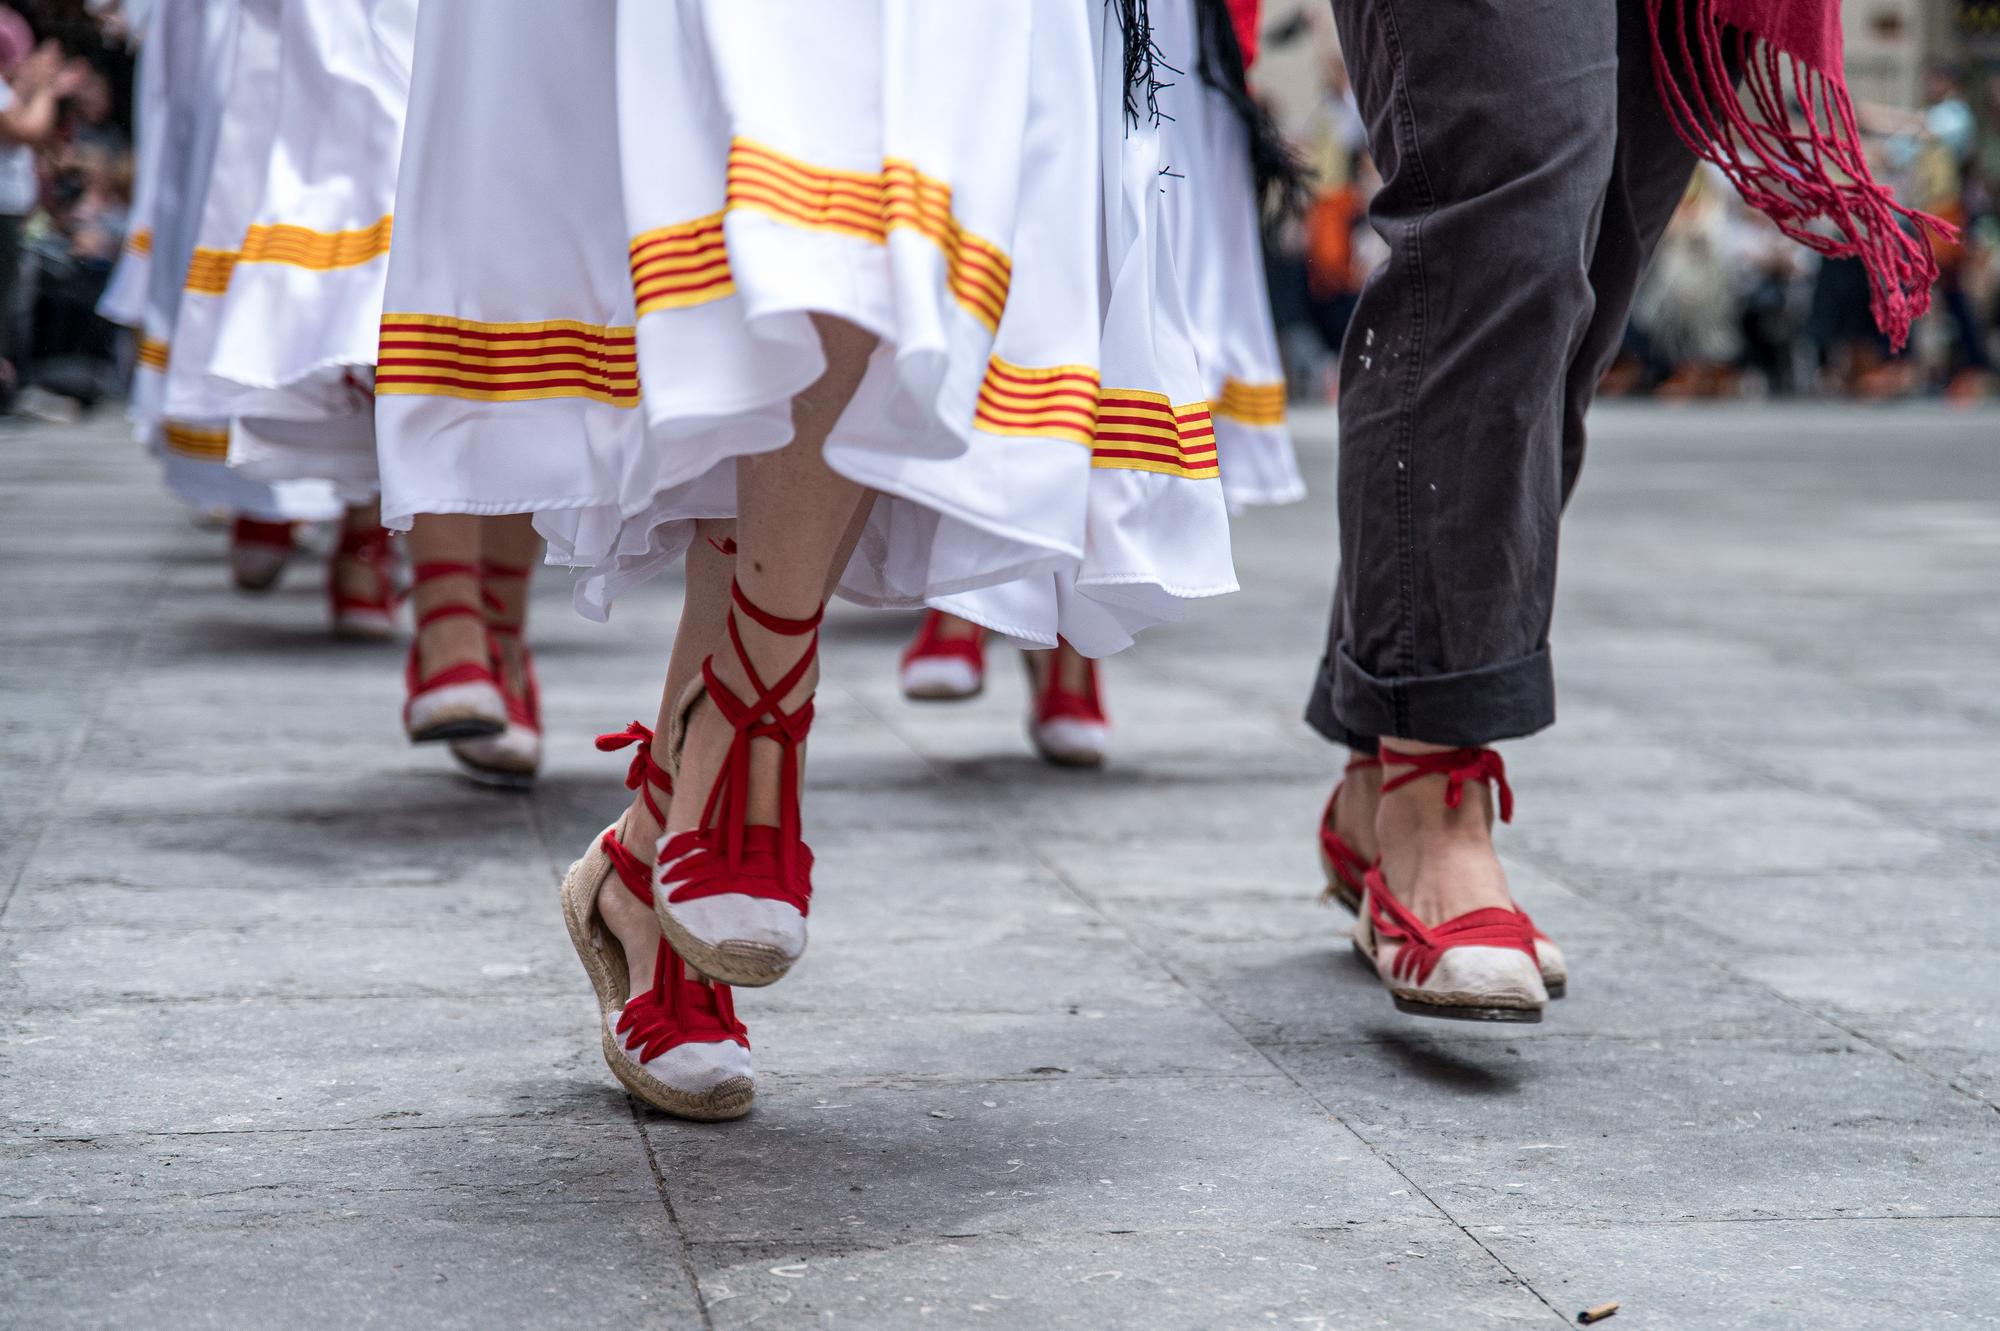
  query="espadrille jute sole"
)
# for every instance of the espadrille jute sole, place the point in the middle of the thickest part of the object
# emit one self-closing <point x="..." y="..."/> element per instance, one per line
<point x="455" y="723"/>
<point x="733" y="961"/>
<point x="1338" y="889"/>
<point x="736" y="962"/>
<point x="604" y="962"/>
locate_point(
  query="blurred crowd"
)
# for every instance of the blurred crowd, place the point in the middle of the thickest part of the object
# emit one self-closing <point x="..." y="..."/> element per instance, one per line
<point x="65" y="192"/>
<point x="1730" y="307"/>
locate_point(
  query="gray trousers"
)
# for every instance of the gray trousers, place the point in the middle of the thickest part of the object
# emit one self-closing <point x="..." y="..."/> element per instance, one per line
<point x="1527" y="173"/>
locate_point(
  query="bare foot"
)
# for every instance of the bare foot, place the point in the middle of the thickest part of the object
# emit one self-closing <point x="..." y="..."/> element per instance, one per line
<point x="1071" y="666"/>
<point x="1439" y="861"/>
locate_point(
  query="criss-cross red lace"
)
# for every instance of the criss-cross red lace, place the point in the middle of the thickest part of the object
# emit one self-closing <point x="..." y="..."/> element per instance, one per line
<point x="931" y="642"/>
<point x="679" y="1008"/>
<point x="1053" y="702"/>
<point x="726" y="855"/>
<point x="465" y="672"/>
<point x="1421" y="946"/>
<point x="524" y="707"/>
<point x="1457" y="766"/>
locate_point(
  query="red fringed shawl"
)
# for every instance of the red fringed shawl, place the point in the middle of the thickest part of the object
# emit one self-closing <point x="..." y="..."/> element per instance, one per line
<point x="1788" y="141"/>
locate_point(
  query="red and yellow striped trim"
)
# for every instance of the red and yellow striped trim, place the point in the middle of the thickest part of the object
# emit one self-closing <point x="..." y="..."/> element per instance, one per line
<point x="867" y="206"/>
<point x="152" y="353"/>
<point x="203" y="445"/>
<point x="322" y="251"/>
<point x="140" y="241"/>
<point x="209" y="271"/>
<point x="1058" y="402"/>
<point x="1252" y="404"/>
<point x="1141" y="431"/>
<point x="428" y="355"/>
<point x="677" y="266"/>
<point x="980" y="272"/>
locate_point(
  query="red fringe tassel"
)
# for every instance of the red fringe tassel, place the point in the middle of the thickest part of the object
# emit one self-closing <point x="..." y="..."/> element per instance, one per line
<point x="1790" y="144"/>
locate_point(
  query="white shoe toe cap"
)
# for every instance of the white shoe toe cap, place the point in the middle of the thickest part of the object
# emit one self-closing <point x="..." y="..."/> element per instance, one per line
<point x="735" y="918"/>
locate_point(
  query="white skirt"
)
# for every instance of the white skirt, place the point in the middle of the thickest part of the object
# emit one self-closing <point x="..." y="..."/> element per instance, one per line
<point x="1219" y="246"/>
<point x="191" y="56"/>
<point x="664" y="194"/>
<point x="284" y="295"/>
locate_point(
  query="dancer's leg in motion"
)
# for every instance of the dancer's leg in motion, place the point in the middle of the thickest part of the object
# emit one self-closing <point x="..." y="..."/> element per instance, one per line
<point x="735" y="877"/>
<point x="794" y="515"/>
<point x="361" y="588"/>
<point x="453" y="693"/>
<point x="509" y="549"/>
<point x="711" y="563"/>
<point x="1455" y="468"/>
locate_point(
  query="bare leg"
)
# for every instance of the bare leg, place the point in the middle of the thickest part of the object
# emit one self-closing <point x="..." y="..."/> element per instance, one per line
<point x="510" y="542"/>
<point x="703" y="632"/>
<point x="450" y="538"/>
<point x="794" y="516"/>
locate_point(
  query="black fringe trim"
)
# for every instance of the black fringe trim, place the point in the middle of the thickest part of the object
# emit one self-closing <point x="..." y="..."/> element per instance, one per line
<point x="1279" y="171"/>
<point x="1143" y="62"/>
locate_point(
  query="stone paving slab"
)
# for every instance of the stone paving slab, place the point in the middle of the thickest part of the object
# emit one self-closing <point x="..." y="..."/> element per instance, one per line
<point x="289" y="1031"/>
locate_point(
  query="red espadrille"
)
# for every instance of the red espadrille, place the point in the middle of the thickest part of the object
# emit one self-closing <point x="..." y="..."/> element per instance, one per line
<point x="369" y="615"/>
<point x="461" y="701"/>
<point x="937" y="668"/>
<point x="511" y="758"/>
<point x="678" y="1045"/>
<point x="258" y="552"/>
<point x="732" y="897"/>
<point x="1484" y="965"/>
<point x="1068" y="727"/>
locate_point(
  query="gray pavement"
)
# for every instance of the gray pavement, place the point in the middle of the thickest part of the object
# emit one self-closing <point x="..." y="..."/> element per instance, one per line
<point x="291" y="1035"/>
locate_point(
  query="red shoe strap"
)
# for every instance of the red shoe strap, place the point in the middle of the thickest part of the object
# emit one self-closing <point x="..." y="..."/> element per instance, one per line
<point x="790" y="628"/>
<point x="441" y="568"/>
<point x="256" y="531"/>
<point x="1423" y="945"/>
<point x="762" y="717"/>
<point x="454" y="611"/>
<point x="1457" y="766"/>
<point x="644" y="773"/>
<point x="1053" y="701"/>
<point x="637" y="876"/>
<point x="679" y="1009"/>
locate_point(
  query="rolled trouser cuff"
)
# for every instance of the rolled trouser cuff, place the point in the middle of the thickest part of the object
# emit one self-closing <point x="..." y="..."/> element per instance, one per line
<point x="1468" y="708"/>
<point x="1320" y="715"/>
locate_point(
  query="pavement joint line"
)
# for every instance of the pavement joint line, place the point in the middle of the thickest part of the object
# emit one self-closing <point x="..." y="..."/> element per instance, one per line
<point x="685" y="1252"/>
<point x="1003" y="823"/>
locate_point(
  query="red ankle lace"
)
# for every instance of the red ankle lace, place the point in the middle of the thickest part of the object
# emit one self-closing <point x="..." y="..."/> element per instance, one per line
<point x="679" y="1008"/>
<point x="1457" y="766"/>
<point x="524" y="708"/>
<point x="725" y="855"/>
<point x="466" y="672"/>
